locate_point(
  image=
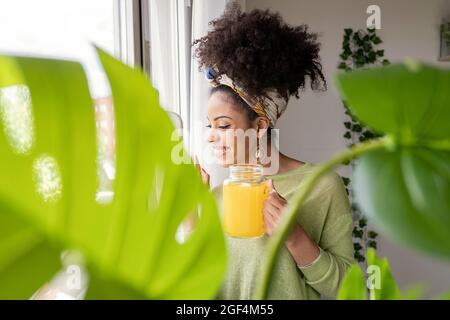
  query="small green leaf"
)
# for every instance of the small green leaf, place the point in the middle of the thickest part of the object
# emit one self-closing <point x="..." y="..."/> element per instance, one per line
<point x="356" y="128"/>
<point x="372" y="234"/>
<point x="357" y="233"/>
<point x="377" y="40"/>
<point x="342" y="66"/>
<point x="379" y="273"/>
<point x="367" y="46"/>
<point x="348" y="31"/>
<point x="416" y="292"/>
<point x="353" y="285"/>
<point x="362" y="223"/>
<point x="346" y="181"/>
<point x="372" y="57"/>
<point x="344" y="56"/>
<point x="372" y="244"/>
<point x="368" y="134"/>
<point x="443" y="296"/>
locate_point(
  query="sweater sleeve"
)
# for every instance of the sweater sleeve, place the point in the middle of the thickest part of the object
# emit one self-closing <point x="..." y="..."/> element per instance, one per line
<point x="336" y="245"/>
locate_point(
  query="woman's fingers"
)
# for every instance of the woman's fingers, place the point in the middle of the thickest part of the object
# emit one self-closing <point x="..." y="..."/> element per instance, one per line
<point x="269" y="223"/>
<point x="271" y="209"/>
<point x="205" y="176"/>
<point x="271" y="216"/>
<point x="203" y="173"/>
<point x="276" y="201"/>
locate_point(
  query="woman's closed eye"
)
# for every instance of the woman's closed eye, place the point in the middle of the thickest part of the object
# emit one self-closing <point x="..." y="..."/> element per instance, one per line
<point x="220" y="127"/>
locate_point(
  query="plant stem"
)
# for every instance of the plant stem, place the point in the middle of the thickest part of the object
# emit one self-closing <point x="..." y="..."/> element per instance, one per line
<point x="289" y="218"/>
<point x="439" y="145"/>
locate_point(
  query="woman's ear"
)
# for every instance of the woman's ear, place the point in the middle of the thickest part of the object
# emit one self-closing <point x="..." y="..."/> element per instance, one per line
<point x="262" y="124"/>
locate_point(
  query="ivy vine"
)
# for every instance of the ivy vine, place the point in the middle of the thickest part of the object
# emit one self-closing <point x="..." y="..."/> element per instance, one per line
<point x="445" y="32"/>
<point x="359" y="50"/>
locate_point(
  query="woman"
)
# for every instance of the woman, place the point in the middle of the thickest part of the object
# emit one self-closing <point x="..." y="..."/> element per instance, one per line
<point x="255" y="62"/>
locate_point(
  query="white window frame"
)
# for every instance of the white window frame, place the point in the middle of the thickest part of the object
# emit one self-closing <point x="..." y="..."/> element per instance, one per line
<point x="133" y="46"/>
<point x="128" y="27"/>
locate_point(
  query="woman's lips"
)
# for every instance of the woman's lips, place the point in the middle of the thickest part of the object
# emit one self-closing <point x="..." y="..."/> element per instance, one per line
<point x="220" y="151"/>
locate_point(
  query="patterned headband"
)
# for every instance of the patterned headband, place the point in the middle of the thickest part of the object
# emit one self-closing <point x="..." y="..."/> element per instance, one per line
<point x="270" y="105"/>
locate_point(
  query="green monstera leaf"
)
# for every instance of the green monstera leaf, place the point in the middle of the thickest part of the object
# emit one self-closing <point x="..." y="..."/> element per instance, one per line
<point x="405" y="187"/>
<point x="48" y="184"/>
<point x="407" y="100"/>
<point x="27" y="259"/>
<point x="407" y="193"/>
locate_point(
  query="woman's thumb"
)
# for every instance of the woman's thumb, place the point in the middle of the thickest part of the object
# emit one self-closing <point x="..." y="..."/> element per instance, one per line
<point x="205" y="176"/>
<point x="270" y="185"/>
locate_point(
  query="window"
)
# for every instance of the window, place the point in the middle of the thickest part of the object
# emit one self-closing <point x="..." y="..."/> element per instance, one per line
<point x="67" y="29"/>
<point x="60" y="29"/>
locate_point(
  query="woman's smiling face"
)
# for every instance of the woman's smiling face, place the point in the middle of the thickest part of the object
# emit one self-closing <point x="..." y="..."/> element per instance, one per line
<point x="224" y="121"/>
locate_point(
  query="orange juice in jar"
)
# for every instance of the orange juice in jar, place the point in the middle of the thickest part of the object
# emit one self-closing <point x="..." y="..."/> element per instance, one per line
<point x="244" y="193"/>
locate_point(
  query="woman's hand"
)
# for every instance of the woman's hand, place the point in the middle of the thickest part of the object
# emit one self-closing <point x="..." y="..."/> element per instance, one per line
<point x="274" y="207"/>
<point x="203" y="173"/>
<point x="191" y="220"/>
<point x="301" y="247"/>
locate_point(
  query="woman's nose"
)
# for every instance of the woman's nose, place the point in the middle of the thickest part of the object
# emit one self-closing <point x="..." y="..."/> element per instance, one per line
<point x="212" y="136"/>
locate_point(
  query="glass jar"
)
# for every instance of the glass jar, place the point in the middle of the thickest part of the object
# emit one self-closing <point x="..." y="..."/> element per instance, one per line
<point x="244" y="193"/>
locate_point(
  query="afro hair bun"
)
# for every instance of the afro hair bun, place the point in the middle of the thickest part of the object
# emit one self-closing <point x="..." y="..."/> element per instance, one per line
<point x="259" y="51"/>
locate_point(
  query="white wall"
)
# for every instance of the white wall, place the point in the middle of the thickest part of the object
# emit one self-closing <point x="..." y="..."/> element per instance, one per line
<point x="312" y="128"/>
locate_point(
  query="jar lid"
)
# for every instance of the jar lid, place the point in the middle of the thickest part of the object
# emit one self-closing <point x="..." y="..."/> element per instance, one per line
<point x="248" y="172"/>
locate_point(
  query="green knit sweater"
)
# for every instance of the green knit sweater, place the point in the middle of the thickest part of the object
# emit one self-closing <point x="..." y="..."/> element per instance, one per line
<point x="325" y="216"/>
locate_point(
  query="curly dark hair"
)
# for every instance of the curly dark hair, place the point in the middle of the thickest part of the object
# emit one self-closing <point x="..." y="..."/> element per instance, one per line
<point x="259" y="51"/>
